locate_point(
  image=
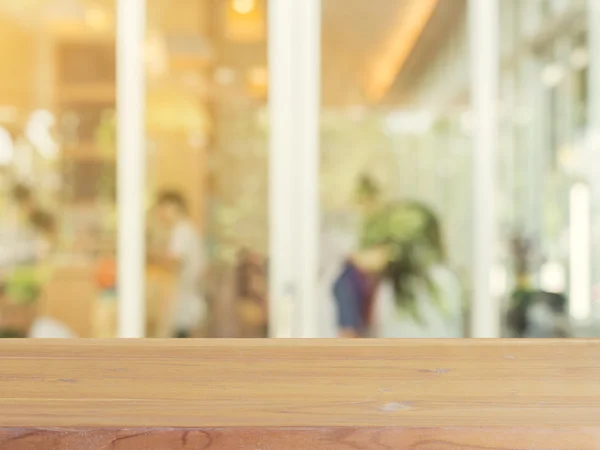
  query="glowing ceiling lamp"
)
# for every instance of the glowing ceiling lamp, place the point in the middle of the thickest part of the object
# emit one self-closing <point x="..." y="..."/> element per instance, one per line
<point x="243" y="6"/>
<point x="245" y="21"/>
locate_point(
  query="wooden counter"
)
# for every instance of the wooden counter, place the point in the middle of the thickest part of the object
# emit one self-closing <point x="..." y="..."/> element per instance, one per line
<point x="300" y="394"/>
<point x="72" y="297"/>
<point x="69" y="298"/>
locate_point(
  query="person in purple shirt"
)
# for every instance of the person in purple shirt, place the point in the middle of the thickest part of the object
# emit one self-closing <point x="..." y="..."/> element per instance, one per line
<point x="390" y="286"/>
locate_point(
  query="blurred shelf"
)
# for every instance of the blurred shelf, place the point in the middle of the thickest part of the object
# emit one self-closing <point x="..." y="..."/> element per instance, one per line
<point x="86" y="152"/>
<point x="87" y="93"/>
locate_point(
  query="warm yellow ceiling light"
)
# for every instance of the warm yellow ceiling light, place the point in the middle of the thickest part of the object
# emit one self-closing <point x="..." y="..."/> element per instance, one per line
<point x="245" y="21"/>
<point x="243" y="6"/>
<point x="396" y="49"/>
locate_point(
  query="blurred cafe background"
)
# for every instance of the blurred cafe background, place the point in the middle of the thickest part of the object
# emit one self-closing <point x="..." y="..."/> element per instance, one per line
<point x="299" y="168"/>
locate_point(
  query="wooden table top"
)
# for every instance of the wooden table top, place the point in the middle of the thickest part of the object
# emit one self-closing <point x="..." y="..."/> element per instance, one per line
<point x="333" y="394"/>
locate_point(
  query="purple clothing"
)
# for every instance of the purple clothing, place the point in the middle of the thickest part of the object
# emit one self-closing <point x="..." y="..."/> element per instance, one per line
<point x="354" y="292"/>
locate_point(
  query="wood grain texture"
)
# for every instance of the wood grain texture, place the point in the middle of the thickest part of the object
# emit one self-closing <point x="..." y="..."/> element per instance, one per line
<point x="365" y="385"/>
<point x="302" y="439"/>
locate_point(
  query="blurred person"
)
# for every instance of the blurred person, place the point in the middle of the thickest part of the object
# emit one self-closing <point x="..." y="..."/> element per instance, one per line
<point x="353" y="280"/>
<point x="338" y="240"/>
<point x="354" y="291"/>
<point x="252" y="287"/>
<point x="184" y="257"/>
<point x="397" y="284"/>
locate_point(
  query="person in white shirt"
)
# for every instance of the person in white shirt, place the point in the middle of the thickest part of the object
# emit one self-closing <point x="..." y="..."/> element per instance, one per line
<point x="184" y="256"/>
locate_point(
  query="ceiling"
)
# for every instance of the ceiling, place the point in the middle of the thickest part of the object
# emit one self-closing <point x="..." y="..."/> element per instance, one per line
<point x="355" y="38"/>
<point x="36" y="13"/>
<point x="354" y="33"/>
<point x="447" y="18"/>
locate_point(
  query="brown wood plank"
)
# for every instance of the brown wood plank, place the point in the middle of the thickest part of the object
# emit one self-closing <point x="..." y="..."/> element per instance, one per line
<point x="307" y="383"/>
<point x="302" y="439"/>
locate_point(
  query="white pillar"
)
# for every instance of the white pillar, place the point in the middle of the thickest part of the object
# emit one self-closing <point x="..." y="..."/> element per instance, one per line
<point x="580" y="243"/>
<point x="131" y="30"/>
<point x="594" y="65"/>
<point x="483" y="36"/>
<point x="593" y="138"/>
<point x="294" y="56"/>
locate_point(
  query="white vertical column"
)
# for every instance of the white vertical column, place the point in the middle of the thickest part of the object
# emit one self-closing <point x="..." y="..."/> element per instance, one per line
<point x="483" y="36"/>
<point x="532" y="91"/>
<point x="308" y="42"/>
<point x="294" y="58"/>
<point x="594" y="67"/>
<point x="131" y="33"/>
<point x="282" y="289"/>
<point x="580" y="243"/>
<point x="593" y="138"/>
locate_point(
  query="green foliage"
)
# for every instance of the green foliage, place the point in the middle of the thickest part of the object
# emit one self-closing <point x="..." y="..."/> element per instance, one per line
<point x="6" y="333"/>
<point x="411" y="233"/>
<point x="24" y="285"/>
<point x="396" y="224"/>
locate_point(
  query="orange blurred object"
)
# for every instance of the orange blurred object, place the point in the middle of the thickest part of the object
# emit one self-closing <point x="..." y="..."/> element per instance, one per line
<point x="106" y="273"/>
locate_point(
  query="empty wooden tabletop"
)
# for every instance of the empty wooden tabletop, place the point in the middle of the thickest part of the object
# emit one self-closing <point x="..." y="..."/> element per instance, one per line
<point x="292" y="393"/>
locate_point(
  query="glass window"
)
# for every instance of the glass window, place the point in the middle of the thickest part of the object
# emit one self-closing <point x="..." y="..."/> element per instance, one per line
<point x="207" y="132"/>
<point x="57" y="105"/>
<point x="395" y="146"/>
<point x="549" y="242"/>
<point x="207" y="126"/>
